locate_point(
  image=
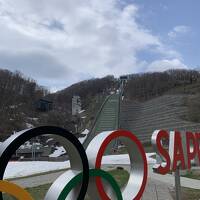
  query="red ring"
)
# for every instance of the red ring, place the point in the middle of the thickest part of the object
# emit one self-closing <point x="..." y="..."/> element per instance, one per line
<point x="113" y="135"/>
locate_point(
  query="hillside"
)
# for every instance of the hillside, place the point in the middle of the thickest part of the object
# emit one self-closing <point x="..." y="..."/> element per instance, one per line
<point x="146" y="86"/>
<point x="170" y="101"/>
<point x="168" y="112"/>
<point x="19" y="95"/>
<point x="89" y="91"/>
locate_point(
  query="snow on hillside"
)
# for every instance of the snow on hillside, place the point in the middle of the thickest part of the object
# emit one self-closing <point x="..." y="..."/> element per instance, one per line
<point x="58" y="152"/>
<point x="81" y="111"/>
<point x="124" y="159"/>
<point x="50" y="139"/>
<point x="85" y="132"/>
<point x="26" y="168"/>
<point x="61" y="150"/>
<point x="20" y="169"/>
<point x="28" y="145"/>
<point x="28" y="125"/>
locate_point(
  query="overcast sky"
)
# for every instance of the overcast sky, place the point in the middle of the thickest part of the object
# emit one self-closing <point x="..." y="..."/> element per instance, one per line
<point x="60" y="42"/>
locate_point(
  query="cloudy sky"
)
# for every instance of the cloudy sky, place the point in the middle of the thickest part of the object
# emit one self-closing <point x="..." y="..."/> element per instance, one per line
<point x="60" y="42"/>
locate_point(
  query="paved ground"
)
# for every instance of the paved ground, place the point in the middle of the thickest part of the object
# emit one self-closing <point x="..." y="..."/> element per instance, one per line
<point x="155" y="189"/>
<point x="169" y="179"/>
<point x="158" y="186"/>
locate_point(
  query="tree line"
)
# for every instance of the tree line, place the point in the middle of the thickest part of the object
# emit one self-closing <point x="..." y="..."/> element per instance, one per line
<point x="148" y="85"/>
<point x="17" y="97"/>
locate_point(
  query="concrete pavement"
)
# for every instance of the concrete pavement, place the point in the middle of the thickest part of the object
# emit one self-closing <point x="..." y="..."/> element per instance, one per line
<point x="158" y="187"/>
<point x="156" y="190"/>
<point x="169" y="179"/>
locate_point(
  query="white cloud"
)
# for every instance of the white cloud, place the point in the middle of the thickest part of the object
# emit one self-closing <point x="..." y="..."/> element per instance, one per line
<point x="179" y="30"/>
<point x="61" y="42"/>
<point x="165" y="64"/>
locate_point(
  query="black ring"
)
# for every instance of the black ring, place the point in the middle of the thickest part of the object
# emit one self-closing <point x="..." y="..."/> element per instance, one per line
<point x="9" y="147"/>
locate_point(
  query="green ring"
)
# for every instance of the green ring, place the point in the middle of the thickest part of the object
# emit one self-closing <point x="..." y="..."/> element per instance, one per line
<point x="92" y="173"/>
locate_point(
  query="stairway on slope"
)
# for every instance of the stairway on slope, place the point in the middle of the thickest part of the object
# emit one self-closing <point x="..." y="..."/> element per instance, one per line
<point x="107" y="118"/>
<point x="165" y="112"/>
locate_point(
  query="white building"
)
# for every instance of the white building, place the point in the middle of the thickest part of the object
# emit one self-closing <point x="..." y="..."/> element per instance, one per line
<point x="76" y="105"/>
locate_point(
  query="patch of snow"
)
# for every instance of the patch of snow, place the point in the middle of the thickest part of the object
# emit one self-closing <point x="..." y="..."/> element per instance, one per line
<point x="121" y="146"/>
<point x="28" y="125"/>
<point x="82" y="139"/>
<point x="50" y="139"/>
<point x="116" y="159"/>
<point x="58" y="152"/>
<point x="26" y="145"/>
<point x="20" y="169"/>
<point x="124" y="159"/>
<point x="150" y="160"/>
<point x="13" y="106"/>
<point x="86" y="131"/>
<point x="81" y="111"/>
<point x="33" y="118"/>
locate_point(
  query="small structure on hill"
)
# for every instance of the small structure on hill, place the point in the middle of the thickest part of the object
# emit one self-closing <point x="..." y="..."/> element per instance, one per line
<point x="123" y="80"/>
<point x="44" y="105"/>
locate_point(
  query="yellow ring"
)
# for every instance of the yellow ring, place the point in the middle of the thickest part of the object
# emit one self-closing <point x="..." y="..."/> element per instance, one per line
<point x="14" y="190"/>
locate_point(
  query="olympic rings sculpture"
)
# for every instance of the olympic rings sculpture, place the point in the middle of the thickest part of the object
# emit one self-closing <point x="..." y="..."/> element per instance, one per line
<point x="85" y="175"/>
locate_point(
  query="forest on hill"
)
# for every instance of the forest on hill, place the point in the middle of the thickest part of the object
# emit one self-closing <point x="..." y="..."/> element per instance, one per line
<point x="19" y="96"/>
<point x="148" y="85"/>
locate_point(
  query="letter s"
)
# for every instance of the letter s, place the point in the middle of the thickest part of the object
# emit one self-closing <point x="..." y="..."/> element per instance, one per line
<point x="156" y="140"/>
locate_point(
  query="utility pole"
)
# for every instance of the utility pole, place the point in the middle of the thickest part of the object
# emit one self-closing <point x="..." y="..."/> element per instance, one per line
<point x="177" y="183"/>
<point x="33" y="151"/>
